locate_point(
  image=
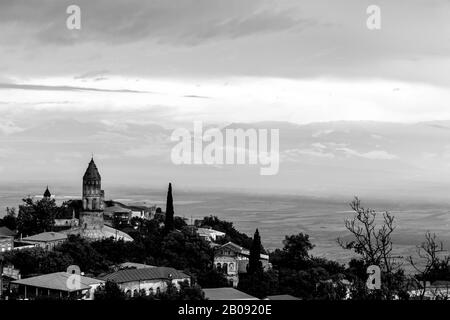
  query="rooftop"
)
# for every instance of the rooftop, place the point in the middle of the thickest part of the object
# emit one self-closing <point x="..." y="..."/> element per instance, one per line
<point x="227" y="294"/>
<point x="103" y="233"/>
<point x="142" y="274"/>
<point x="209" y="231"/>
<point x="134" y="265"/>
<point x="56" y="281"/>
<point x="116" y="209"/>
<point x="282" y="297"/>
<point x="234" y="247"/>
<point x="5" y="232"/>
<point x="46" y="237"/>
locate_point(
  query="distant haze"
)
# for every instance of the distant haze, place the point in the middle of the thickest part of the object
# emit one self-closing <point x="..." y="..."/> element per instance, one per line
<point x="330" y="159"/>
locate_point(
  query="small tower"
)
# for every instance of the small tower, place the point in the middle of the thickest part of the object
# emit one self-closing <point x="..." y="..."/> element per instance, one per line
<point x="92" y="198"/>
<point x="47" y="194"/>
<point x="92" y="189"/>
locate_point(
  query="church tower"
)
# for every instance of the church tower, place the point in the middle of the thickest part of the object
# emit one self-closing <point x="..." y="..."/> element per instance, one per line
<point x="93" y="196"/>
<point x="47" y="194"/>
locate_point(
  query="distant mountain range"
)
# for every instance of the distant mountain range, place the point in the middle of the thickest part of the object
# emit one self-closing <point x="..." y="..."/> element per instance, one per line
<point x="343" y="157"/>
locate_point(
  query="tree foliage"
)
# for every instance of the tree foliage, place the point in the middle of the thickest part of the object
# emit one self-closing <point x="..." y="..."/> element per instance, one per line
<point x="231" y="234"/>
<point x="254" y="263"/>
<point x="36" y="216"/>
<point x="110" y="291"/>
<point x="10" y="219"/>
<point x="169" y="220"/>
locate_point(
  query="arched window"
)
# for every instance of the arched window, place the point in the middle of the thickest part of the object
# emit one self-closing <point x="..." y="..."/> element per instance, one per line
<point x="219" y="267"/>
<point x="225" y="268"/>
<point x="158" y="291"/>
<point x="94" y="204"/>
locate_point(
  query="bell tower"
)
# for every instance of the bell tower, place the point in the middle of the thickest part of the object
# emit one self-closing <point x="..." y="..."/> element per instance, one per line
<point x="92" y="198"/>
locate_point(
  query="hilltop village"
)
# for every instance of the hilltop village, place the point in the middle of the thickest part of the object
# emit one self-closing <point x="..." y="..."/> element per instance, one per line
<point x="92" y="248"/>
<point x="93" y="219"/>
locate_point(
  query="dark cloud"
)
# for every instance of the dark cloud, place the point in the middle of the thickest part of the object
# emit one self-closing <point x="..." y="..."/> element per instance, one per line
<point x="176" y="22"/>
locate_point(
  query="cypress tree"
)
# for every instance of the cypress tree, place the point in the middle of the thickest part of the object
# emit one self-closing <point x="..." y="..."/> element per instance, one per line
<point x="168" y="224"/>
<point x="254" y="263"/>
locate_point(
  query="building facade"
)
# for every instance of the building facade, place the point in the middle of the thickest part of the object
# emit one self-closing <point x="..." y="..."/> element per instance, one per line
<point x="45" y="240"/>
<point x="151" y="280"/>
<point x="232" y="260"/>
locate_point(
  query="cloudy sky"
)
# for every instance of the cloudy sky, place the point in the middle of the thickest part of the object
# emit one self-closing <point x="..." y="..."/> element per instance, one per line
<point x="138" y="63"/>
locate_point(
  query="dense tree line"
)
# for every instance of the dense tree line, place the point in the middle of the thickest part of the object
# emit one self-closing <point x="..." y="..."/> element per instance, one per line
<point x="167" y="241"/>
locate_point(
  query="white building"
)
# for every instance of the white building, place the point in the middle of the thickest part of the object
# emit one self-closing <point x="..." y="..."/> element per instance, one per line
<point x="232" y="260"/>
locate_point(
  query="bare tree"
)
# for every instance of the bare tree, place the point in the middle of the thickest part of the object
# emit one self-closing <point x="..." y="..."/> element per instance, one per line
<point x="431" y="261"/>
<point x="372" y="239"/>
<point x="372" y="242"/>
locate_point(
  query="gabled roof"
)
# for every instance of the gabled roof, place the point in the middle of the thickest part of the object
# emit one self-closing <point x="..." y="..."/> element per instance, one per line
<point x="57" y="281"/>
<point x="236" y="248"/>
<point x="5" y="232"/>
<point x="46" y="237"/>
<point x="131" y="275"/>
<point x="227" y="294"/>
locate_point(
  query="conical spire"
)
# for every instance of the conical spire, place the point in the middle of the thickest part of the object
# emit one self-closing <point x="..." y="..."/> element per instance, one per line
<point x="47" y="193"/>
<point x="92" y="172"/>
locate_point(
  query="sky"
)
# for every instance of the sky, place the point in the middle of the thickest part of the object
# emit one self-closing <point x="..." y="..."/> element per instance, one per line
<point x="169" y="63"/>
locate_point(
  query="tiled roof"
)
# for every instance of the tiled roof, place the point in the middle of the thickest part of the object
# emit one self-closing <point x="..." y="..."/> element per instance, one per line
<point x="227" y="294"/>
<point x="56" y="281"/>
<point x="46" y="237"/>
<point x="130" y="275"/>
